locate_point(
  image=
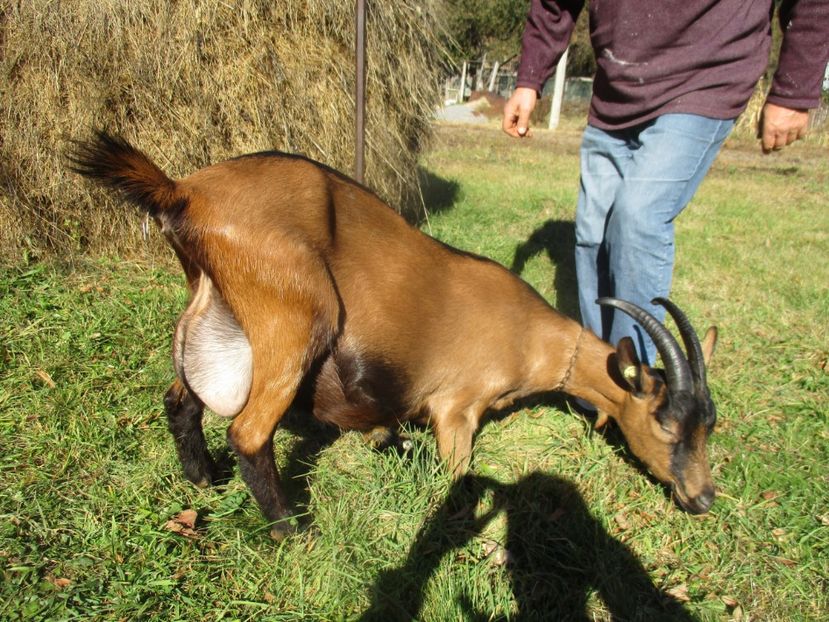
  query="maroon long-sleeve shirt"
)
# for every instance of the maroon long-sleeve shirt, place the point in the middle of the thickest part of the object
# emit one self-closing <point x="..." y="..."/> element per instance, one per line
<point x="694" y="56"/>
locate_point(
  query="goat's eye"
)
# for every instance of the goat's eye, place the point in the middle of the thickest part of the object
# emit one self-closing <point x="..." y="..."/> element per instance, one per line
<point x="670" y="430"/>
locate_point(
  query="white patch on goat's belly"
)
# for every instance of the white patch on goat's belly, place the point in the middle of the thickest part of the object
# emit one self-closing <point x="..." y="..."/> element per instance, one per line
<point x="212" y="353"/>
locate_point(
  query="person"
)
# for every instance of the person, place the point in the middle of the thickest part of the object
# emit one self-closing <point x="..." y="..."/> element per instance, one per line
<point x="672" y="76"/>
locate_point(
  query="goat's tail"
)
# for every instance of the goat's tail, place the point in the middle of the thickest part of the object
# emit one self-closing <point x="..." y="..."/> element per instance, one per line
<point x="114" y="163"/>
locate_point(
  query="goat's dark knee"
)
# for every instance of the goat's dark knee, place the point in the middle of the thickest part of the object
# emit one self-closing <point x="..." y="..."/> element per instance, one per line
<point x="184" y="420"/>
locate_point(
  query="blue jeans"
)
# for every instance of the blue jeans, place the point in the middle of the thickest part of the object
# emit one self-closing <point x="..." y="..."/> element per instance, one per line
<point x="634" y="183"/>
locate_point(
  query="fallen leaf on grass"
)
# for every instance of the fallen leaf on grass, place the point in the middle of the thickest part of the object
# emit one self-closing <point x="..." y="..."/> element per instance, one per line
<point x="184" y="524"/>
<point x="680" y="593"/>
<point x="647" y="517"/>
<point x="705" y="573"/>
<point x="187" y="518"/>
<point x="768" y="495"/>
<point x="622" y="522"/>
<point x="46" y="378"/>
<point x="59" y="582"/>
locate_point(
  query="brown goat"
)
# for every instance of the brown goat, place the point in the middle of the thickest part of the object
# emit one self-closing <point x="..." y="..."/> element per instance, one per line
<point x="299" y="274"/>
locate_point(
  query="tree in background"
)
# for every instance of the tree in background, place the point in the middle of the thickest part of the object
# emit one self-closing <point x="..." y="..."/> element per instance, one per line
<point x="486" y="27"/>
<point x="493" y="28"/>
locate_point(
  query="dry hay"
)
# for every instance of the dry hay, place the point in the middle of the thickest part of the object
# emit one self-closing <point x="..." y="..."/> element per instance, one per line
<point x="748" y="122"/>
<point x="197" y="81"/>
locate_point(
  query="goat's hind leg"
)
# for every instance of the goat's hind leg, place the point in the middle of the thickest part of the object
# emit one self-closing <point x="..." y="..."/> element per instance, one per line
<point x="251" y="437"/>
<point x="184" y="420"/>
<point x="285" y="338"/>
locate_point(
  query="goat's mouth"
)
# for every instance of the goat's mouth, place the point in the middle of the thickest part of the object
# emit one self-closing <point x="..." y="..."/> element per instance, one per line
<point x="693" y="505"/>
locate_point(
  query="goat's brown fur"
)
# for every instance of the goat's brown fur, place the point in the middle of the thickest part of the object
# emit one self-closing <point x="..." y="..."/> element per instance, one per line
<point x="327" y="281"/>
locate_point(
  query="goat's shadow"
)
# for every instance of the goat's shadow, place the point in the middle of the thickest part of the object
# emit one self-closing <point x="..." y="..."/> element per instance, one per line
<point x="557" y="238"/>
<point x="557" y="556"/>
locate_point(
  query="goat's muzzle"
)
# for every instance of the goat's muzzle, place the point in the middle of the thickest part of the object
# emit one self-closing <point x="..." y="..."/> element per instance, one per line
<point x="694" y="505"/>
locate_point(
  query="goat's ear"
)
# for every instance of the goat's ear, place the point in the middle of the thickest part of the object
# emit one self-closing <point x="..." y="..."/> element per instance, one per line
<point x="629" y="366"/>
<point x="709" y="342"/>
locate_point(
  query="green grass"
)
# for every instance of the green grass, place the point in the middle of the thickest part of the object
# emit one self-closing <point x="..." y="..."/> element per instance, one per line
<point x="553" y="523"/>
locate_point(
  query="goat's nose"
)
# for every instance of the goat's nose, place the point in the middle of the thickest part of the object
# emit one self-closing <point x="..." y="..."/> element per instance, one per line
<point x="705" y="500"/>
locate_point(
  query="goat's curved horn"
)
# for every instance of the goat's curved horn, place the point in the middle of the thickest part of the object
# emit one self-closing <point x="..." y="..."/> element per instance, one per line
<point x="677" y="369"/>
<point x="689" y="338"/>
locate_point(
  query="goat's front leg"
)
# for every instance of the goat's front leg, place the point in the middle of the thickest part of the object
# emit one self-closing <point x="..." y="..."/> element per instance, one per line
<point x="184" y="419"/>
<point x="454" y="432"/>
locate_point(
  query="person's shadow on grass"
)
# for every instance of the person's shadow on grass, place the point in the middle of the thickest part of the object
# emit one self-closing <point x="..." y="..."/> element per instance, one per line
<point x="555" y="552"/>
<point x="557" y="238"/>
<point x="436" y="195"/>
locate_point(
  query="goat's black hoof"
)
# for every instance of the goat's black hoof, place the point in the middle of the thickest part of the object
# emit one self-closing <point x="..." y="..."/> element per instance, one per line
<point x="383" y="438"/>
<point x="380" y="438"/>
<point x="202" y="476"/>
<point x="202" y="472"/>
<point x="283" y="528"/>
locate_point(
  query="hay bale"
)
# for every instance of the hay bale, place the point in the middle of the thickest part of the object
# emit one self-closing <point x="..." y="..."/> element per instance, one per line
<point x="749" y="120"/>
<point x="194" y="82"/>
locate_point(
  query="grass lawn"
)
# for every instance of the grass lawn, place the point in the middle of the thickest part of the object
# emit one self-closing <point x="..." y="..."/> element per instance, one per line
<point x="555" y="522"/>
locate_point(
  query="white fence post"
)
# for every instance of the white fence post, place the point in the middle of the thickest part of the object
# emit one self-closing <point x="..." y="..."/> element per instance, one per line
<point x="558" y="91"/>
<point x="463" y="84"/>
<point x="493" y="76"/>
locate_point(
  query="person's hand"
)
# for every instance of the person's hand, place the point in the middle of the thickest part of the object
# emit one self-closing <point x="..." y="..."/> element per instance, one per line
<point x="781" y="126"/>
<point x="517" y="110"/>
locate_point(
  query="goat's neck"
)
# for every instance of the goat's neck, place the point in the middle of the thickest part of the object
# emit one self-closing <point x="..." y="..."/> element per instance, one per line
<point x="590" y="377"/>
<point x="577" y="362"/>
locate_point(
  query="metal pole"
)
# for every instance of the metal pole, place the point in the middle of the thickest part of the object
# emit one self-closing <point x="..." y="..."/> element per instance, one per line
<point x="360" y="97"/>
